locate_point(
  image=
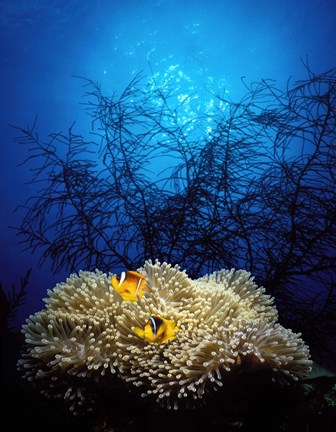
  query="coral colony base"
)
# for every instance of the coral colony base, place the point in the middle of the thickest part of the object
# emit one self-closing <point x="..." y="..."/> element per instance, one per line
<point x="175" y="339"/>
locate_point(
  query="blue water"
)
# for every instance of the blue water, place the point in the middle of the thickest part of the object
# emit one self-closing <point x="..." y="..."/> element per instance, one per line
<point x="198" y="44"/>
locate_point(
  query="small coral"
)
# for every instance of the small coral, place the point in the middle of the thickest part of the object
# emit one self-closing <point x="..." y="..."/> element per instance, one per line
<point x="330" y="397"/>
<point x="87" y="336"/>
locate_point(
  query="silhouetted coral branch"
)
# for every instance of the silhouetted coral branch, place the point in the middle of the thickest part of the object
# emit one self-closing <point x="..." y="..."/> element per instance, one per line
<point x="10" y="301"/>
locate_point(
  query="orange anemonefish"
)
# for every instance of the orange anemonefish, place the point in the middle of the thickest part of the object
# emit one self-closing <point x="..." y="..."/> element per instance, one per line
<point x="158" y="330"/>
<point x="130" y="285"/>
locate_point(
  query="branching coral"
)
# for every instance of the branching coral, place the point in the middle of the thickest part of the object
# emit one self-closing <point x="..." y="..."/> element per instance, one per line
<point x="88" y="336"/>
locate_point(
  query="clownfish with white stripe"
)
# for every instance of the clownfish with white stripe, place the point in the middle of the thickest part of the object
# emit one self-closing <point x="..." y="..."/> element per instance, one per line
<point x="158" y="330"/>
<point x="130" y="285"/>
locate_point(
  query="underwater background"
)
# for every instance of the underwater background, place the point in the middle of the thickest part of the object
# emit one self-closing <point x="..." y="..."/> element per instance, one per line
<point x="199" y="48"/>
<point x="45" y="43"/>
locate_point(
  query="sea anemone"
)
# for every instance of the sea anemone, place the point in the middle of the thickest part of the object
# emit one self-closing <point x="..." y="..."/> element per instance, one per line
<point x="89" y="337"/>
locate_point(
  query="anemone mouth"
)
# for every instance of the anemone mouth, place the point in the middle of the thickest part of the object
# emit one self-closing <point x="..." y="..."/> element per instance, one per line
<point x="83" y="342"/>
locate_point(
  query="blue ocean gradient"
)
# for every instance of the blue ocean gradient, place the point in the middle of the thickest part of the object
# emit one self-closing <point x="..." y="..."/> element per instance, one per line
<point x="197" y="46"/>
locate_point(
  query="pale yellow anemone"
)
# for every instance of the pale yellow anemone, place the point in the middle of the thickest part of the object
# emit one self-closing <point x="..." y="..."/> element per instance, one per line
<point x="87" y="333"/>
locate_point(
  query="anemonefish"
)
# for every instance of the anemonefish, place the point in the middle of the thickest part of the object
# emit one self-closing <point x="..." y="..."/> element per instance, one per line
<point x="130" y="285"/>
<point x="158" y="330"/>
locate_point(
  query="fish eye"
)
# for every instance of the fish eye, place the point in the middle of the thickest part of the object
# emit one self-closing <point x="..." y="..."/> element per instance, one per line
<point x="121" y="277"/>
